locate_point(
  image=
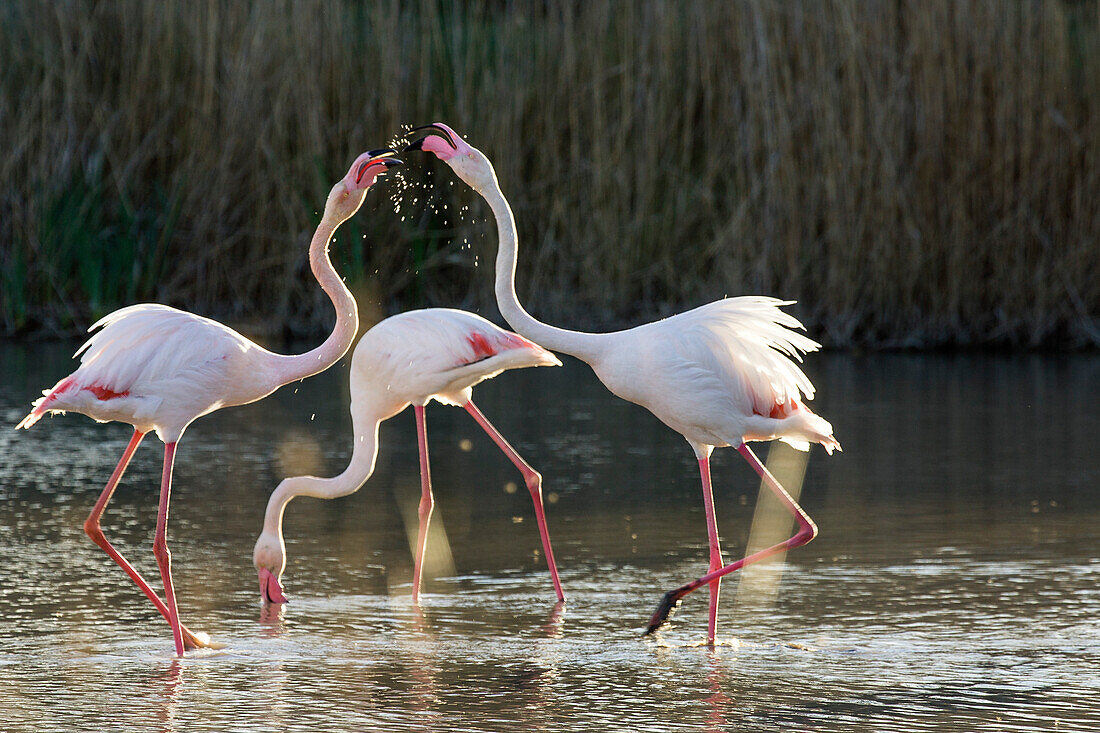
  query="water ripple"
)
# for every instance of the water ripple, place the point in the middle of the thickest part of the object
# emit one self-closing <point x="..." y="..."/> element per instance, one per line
<point x="953" y="594"/>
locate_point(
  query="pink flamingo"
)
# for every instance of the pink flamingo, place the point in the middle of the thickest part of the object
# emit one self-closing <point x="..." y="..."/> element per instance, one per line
<point x="720" y="375"/>
<point x="411" y="358"/>
<point x="158" y="368"/>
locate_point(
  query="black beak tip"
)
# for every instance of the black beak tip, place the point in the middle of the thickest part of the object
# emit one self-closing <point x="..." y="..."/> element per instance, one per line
<point x="415" y="145"/>
<point x="386" y="162"/>
<point x="434" y="129"/>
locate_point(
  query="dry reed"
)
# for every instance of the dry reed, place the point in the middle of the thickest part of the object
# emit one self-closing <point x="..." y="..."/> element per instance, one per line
<point x="913" y="172"/>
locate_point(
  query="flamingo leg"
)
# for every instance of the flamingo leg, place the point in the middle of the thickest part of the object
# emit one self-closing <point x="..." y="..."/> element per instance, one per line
<point x="93" y="529"/>
<point x="427" y="502"/>
<point x="715" y="548"/>
<point x="807" y="530"/>
<point x="533" y="479"/>
<point x="160" y="546"/>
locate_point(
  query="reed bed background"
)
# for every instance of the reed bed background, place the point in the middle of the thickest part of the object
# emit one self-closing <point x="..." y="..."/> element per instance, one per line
<point x="917" y="173"/>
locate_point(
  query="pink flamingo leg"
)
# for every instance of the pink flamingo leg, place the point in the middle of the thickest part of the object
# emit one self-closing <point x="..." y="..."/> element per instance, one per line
<point x="95" y="532"/>
<point x="806" y="532"/>
<point x="533" y="479"/>
<point x="427" y="501"/>
<point x="93" y="529"/>
<point x="715" y="548"/>
<point x="160" y="546"/>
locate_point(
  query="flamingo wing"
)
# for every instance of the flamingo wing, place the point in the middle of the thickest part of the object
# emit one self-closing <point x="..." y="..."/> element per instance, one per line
<point x="752" y="347"/>
<point x="440" y="353"/>
<point x="708" y="372"/>
<point x="147" y="354"/>
<point x="148" y="343"/>
<point x="442" y="339"/>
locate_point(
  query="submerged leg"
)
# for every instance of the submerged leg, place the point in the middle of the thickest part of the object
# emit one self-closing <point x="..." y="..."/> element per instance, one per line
<point x="427" y="502"/>
<point x="807" y="530"/>
<point x="160" y="546"/>
<point x="95" y="532"/>
<point x="715" y="548"/>
<point x="533" y="479"/>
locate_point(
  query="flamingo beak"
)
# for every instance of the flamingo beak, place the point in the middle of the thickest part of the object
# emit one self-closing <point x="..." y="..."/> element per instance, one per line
<point x="383" y="157"/>
<point x="433" y="129"/>
<point x="270" y="588"/>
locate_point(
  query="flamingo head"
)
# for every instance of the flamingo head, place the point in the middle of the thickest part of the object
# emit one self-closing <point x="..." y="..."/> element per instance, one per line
<point x="469" y="163"/>
<point x="269" y="558"/>
<point x="347" y="195"/>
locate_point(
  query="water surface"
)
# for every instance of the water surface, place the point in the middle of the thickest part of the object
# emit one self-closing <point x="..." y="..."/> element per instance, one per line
<point x="954" y="585"/>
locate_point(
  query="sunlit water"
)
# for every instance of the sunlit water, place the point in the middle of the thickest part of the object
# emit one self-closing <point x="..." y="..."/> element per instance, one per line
<point x="955" y="584"/>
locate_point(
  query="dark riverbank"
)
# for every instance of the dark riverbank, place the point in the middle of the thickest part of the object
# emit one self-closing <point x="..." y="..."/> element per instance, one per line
<point x="915" y="174"/>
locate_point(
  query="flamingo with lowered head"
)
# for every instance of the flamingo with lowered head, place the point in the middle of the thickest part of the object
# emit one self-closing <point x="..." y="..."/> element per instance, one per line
<point x="158" y="368"/>
<point x="411" y="358"/>
<point x="720" y="375"/>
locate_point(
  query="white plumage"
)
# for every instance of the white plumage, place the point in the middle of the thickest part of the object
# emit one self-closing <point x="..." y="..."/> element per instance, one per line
<point x="159" y="368"/>
<point x="719" y="374"/>
<point x="436" y="354"/>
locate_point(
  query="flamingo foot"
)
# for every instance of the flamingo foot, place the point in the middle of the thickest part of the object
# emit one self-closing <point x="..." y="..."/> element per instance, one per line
<point x="201" y="640"/>
<point x="668" y="605"/>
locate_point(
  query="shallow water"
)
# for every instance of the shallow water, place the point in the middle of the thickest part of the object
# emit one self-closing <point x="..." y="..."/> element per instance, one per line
<point x="955" y="584"/>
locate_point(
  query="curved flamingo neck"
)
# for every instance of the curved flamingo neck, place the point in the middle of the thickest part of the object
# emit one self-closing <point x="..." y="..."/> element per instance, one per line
<point x="355" y="475"/>
<point x="585" y="346"/>
<point x="316" y="360"/>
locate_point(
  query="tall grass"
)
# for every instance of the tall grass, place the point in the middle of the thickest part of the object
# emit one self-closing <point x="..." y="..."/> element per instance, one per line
<point x="914" y="173"/>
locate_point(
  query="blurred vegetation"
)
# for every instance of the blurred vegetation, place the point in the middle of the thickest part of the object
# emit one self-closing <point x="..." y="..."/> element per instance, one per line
<point x="915" y="173"/>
